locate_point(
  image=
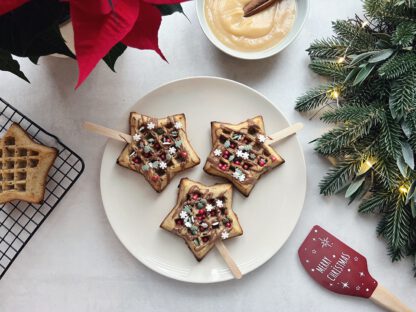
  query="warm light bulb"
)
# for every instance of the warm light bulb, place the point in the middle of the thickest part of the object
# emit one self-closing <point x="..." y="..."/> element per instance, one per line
<point x="341" y="60"/>
<point x="335" y="94"/>
<point x="403" y="189"/>
<point x="368" y="163"/>
<point x="365" y="23"/>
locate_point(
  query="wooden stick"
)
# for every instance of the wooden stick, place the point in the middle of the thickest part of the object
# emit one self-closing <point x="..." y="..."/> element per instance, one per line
<point x="107" y="132"/>
<point x="120" y="136"/>
<point x="228" y="259"/>
<point x="382" y="297"/>
<point x="284" y="133"/>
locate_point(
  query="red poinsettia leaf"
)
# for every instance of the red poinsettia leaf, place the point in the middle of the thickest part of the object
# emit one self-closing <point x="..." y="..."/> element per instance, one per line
<point x="9" y="5"/>
<point x="144" y="34"/>
<point x="158" y="2"/>
<point x="95" y="35"/>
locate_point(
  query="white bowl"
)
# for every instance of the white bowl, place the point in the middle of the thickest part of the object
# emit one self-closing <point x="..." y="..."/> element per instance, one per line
<point x="302" y="9"/>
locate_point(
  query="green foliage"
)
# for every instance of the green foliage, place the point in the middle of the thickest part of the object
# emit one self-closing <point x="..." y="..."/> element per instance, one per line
<point x="372" y="93"/>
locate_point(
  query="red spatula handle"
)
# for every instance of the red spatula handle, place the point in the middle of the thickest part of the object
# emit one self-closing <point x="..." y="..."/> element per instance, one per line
<point x="382" y="297"/>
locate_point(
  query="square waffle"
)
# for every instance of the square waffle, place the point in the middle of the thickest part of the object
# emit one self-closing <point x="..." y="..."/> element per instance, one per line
<point x="240" y="154"/>
<point x="159" y="149"/>
<point x="202" y="215"/>
<point x="24" y="166"/>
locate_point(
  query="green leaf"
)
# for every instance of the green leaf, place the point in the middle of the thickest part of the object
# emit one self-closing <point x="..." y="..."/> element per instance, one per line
<point x="401" y="164"/>
<point x="381" y="55"/>
<point x="168" y="9"/>
<point x="363" y="74"/>
<point x="411" y="192"/>
<point x="7" y="63"/>
<point x="408" y="155"/>
<point x="352" y="74"/>
<point x="407" y="130"/>
<point x="413" y="208"/>
<point x="354" y="186"/>
<point x="111" y="58"/>
<point x="361" y="57"/>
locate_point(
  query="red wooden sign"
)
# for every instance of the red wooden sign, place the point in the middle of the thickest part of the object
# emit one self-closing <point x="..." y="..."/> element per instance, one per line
<point x="336" y="266"/>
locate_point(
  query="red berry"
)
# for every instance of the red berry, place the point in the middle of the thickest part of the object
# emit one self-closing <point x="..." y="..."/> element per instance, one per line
<point x="262" y="162"/>
<point x="226" y="152"/>
<point x="205" y="239"/>
<point x="136" y="160"/>
<point x="163" y="156"/>
<point x="274" y="158"/>
<point x="167" y="140"/>
<point x="199" y="218"/>
<point x="237" y="162"/>
<point x="228" y="224"/>
<point x="157" y="146"/>
<point x="184" y="154"/>
<point x="245" y="166"/>
<point x="213" y="213"/>
<point x="232" y="145"/>
<point x="226" y="156"/>
<point x="155" y="178"/>
<point x="195" y="196"/>
<point x="179" y="222"/>
<point x="201" y="211"/>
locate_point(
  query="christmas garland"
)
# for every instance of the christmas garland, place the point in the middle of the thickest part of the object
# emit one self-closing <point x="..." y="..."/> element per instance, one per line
<point x="371" y="99"/>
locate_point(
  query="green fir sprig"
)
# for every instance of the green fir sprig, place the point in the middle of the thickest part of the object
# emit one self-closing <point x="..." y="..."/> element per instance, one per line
<point x="371" y="68"/>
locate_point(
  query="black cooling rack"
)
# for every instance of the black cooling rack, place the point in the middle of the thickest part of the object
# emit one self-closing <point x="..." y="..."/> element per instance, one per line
<point x="20" y="220"/>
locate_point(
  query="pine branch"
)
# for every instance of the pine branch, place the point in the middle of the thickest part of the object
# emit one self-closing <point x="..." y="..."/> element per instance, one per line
<point x="398" y="65"/>
<point x="386" y="171"/>
<point x="404" y="34"/>
<point x="396" y="227"/>
<point x="348" y="31"/>
<point x="377" y="202"/>
<point x="389" y="11"/>
<point x="327" y="48"/>
<point x="351" y="114"/>
<point x="329" y="69"/>
<point x="403" y="94"/>
<point x="347" y="134"/>
<point x="339" y="176"/>
<point x="390" y="136"/>
<point x="314" y="98"/>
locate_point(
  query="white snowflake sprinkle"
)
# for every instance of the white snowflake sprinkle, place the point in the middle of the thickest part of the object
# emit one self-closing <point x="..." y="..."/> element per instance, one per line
<point x="217" y="152"/>
<point x="236" y="174"/>
<point x="172" y="150"/>
<point x="209" y="207"/>
<point x="241" y="147"/>
<point x="239" y="153"/>
<point x="219" y="203"/>
<point x="345" y="285"/>
<point x="245" y="155"/>
<point x="150" y="165"/>
<point x="261" y="138"/>
<point x="188" y="224"/>
<point x="163" y="165"/>
<point x="178" y="125"/>
<point x="137" y="137"/>
<point x="225" y="235"/>
<point x="150" y="125"/>
<point x="183" y="214"/>
<point x="204" y="225"/>
<point x="242" y="177"/>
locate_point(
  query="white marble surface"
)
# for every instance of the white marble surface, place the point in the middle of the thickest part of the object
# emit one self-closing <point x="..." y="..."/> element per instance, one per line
<point x="75" y="262"/>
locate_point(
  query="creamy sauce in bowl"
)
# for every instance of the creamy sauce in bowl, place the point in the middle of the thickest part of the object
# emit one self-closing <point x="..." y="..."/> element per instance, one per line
<point x="249" y="34"/>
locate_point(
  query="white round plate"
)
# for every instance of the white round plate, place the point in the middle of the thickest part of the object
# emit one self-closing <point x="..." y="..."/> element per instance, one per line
<point x="302" y="9"/>
<point x="267" y="217"/>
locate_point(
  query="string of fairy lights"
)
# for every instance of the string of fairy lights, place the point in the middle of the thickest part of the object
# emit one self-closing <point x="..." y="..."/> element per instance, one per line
<point x="335" y="93"/>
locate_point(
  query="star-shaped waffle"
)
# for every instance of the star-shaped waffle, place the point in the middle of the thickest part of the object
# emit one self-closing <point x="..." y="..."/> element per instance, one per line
<point x="203" y="215"/>
<point x="240" y="153"/>
<point x="24" y="166"/>
<point x="159" y="149"/>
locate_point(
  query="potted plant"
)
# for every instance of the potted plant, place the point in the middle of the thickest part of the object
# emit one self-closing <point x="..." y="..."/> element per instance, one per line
<point x="103" y="29"/>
